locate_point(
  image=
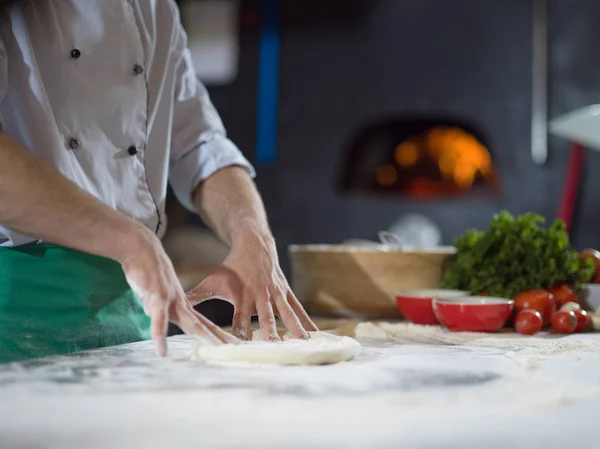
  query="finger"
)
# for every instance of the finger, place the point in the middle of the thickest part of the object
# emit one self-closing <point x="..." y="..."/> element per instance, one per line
<point x="223" y="336"/>
<point x="220" y="333"/>
<point x="266" y="319"/>
<point x="241" y="321"/>
<point x="189" y="323"/>
<point x="296" y="306"/>
<point x="159" y="324"/>
<point x="289" y="318"/>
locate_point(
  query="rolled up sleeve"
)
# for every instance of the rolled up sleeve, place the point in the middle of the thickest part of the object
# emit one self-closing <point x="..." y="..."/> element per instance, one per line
<point x="199" y="144"/>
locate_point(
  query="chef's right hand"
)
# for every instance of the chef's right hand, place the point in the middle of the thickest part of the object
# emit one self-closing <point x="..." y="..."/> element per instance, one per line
<point x="152" y="278"/>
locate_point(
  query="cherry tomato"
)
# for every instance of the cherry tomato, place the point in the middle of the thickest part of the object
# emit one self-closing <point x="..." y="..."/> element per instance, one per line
<point x="564" y="322"/>
<point x="583" y="319"/>
<point x="529" y="322"/>
<point x="562" y="294"/>
<point x="570" y="306"/>
<point x="539" y="300"/>
<point x="594" y="255"/>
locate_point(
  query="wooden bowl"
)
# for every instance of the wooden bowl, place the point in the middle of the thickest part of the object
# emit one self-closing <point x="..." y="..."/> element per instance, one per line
<point x="361" y="281"/>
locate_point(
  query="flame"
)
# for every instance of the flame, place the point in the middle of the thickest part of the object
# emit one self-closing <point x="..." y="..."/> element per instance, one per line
<point x="386" y="175"/>
<point x="459" y="155"/>
<point x="407" y="153"/>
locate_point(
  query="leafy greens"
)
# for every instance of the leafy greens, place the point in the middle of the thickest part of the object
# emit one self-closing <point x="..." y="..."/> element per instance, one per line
<point x="515" y="255"/>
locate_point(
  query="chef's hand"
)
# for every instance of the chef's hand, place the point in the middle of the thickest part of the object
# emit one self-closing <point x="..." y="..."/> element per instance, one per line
<point x="151" y="276"/>
<point x="251" y="279"/>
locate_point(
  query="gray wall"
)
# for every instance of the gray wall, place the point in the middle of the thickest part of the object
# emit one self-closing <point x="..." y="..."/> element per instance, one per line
<point x="380" y="57"/>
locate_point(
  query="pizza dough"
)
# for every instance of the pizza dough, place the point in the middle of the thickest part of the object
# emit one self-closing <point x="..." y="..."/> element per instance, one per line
<point x="321" y="348"/>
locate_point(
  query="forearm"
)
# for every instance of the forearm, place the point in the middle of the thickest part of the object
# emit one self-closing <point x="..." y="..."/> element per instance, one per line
<point x="37" y="200"/>
<point x="230" y="204"/>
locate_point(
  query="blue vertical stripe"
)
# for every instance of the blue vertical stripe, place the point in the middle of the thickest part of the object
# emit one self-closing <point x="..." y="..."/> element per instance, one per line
<point x="268" y="82"/>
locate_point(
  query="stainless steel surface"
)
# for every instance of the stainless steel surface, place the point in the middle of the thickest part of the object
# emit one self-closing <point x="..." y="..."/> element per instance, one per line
<point x="539" y="98"/>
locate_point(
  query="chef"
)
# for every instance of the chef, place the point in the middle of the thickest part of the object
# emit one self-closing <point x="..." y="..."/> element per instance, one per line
<point x="100" y="109"/>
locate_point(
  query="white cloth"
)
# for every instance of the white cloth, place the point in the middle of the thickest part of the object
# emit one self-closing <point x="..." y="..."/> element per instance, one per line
<point x="105" y="91"/>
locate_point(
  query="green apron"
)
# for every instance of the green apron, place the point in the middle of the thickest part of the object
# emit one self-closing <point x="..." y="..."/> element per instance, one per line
<point x="55" y="300"/>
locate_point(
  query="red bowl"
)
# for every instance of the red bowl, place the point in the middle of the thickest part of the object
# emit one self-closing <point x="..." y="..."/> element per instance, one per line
<point x="473" y="313"/>
<point x="416" y="305"/>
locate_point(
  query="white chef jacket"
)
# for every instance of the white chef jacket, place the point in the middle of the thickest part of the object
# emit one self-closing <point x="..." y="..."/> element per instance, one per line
<point x="105" y="91"/>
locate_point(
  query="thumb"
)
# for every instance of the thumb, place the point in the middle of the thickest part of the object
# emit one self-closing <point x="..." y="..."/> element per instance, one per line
<point x="209" y="288"/>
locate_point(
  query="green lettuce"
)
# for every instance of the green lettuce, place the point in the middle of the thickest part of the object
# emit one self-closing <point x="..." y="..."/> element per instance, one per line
<point x="515" y="255"/>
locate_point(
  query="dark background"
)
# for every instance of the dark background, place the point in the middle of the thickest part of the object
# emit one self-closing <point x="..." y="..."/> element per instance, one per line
<point x="347" y="63"/>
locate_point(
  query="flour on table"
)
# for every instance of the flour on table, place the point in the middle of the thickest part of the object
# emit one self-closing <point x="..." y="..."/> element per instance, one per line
<point x="321" y="348"/>
<point x="543" y="345"/>
<point x="528" y="352"/>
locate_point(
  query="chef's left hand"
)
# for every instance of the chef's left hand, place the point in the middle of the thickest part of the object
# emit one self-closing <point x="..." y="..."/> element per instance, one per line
<point x="251" y="279"/>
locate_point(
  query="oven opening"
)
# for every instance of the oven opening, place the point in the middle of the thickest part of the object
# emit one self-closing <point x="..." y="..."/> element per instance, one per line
<point x="419" y="158"/>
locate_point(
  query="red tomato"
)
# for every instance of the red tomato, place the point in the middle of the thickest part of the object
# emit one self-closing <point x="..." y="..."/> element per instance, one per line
<point x="539" y="300"/>
<point x="564" y="322"/>
<point x="595" y="256"/>
<point x="563" y="294"/>
<point x="583" y="319"/>
<point x="529" y="322"/>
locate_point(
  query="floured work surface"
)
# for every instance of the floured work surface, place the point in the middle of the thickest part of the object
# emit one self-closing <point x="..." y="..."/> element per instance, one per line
<point x="403" y="393"/>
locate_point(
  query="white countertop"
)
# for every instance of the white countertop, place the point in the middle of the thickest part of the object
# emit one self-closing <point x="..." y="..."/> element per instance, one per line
<point x="392" y="395"/>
